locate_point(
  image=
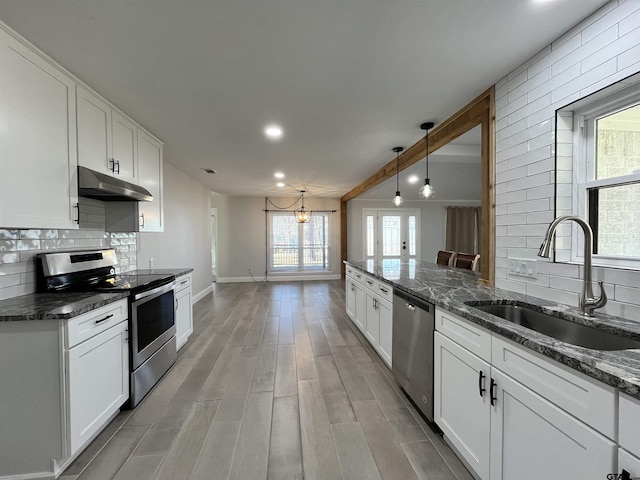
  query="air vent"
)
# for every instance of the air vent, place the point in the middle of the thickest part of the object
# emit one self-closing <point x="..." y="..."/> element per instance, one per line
<point x="210" y="171"/>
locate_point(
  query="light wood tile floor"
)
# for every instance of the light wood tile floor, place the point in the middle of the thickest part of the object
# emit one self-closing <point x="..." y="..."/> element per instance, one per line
<point x="274" y="383"/>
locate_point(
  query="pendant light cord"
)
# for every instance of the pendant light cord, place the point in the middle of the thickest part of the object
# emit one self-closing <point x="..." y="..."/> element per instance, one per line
<point x="397" y="171"/>
<point x="287" y="207"/>
<point x="426" y="139"/>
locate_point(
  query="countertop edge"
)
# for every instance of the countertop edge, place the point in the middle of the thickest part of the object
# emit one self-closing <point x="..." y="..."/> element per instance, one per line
<point x="600" y="365"/>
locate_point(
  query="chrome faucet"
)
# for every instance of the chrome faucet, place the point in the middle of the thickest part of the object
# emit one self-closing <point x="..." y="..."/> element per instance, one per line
<point x="588" y="303"/>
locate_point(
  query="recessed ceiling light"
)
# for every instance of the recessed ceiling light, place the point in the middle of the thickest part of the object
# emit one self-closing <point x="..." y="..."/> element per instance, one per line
<point x="413" y="179"/>
<point x="273" y="131"/>
<point x="278" y="175"/>
<point x="280" y="184"/>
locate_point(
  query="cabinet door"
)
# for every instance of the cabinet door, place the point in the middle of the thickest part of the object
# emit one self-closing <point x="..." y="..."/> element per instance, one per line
<point x="97" y="382"/>
<point x="150" y="177"/>
<point x="372" y="324"/>
<point x="350" y="297"/>
<point x="37" y="141"/>
<point x="125" y="147"/>
<point x="94" y="133"/>
<point x="532" y="439"/>
<point x="360" y="316"/>
<point x="386" y="331"/>
<point x="461" y="410"/>
<point x="184" y="317"/>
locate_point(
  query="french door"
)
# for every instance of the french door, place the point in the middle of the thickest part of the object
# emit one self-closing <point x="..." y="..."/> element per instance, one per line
<point x="391" y="234"/>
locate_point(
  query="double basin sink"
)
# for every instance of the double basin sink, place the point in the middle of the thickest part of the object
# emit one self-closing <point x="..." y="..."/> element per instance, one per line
<point x="559" y="328"/>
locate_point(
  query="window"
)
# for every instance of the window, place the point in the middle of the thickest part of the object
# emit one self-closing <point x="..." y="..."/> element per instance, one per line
<point x="299" y="246"/>
<point x="606" y="163"/>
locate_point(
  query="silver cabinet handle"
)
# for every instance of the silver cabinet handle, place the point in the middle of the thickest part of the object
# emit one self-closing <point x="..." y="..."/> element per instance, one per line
<point x="410" y="306"/>
<point x="142" y="217"/>
<point x="112" y="161"/>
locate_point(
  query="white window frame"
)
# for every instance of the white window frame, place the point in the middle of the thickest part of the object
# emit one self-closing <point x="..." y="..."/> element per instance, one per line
<point x="300" y="268"/>
<point x="584" y="167"/>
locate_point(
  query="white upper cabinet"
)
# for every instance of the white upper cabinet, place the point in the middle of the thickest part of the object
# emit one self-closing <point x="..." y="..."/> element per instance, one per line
<point x="38" y="185"/>
<point x="150" y="177"/>
<point x="124" y="147"/>
<point x="107" y="140"/>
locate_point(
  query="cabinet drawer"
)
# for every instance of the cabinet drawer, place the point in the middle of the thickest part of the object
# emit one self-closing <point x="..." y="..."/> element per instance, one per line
<point x="359" y="276"/>
<point x="349" y="270"/>
<point x="81" y="328"/>
<point x="585" y="398"/>
<point x="629" y="417"/>
<point x="370" y="282"/>
<point x="465" y="333"/>
<point x="183" y="282"/>
<point x="385" y="291"/>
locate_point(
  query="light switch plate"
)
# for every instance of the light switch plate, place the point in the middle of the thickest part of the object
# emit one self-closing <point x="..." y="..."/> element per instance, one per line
<point x="523" y="267"/>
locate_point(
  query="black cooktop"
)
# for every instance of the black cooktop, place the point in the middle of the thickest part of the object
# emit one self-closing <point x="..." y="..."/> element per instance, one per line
<point x="126" y="281"/>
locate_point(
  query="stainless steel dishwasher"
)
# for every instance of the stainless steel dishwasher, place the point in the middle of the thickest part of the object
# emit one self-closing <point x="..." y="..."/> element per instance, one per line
<point x="412" y="359"/>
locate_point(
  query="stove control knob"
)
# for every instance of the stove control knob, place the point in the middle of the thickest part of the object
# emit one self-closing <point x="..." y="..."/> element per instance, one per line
<point x="112" y="271"/>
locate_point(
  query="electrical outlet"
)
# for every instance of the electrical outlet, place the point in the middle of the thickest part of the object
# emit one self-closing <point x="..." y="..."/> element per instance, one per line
<point x="523" y="267"/>
<point x="151" y="263"/>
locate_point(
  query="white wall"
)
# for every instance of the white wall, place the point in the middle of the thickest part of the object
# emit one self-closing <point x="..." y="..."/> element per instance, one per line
<point x="241" y="235"/>
<point x="186" y="241"/>
<point x="601" y="50"/>
<point x="432" y="224"/>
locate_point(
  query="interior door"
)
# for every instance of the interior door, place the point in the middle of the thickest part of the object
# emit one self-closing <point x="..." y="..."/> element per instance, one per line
<point x="392" y="234"/>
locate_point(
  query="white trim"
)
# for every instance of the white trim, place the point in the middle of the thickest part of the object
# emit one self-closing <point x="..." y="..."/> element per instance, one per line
<point x="279" y="278"/>
<point x="30" y="476"/>
<point x="202" y="294"/>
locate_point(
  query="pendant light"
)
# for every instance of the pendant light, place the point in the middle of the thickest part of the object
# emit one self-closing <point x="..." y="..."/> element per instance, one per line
<point x="427" y="191"/>
<point x="302" y="215"/>
<point x="398" y="200"/>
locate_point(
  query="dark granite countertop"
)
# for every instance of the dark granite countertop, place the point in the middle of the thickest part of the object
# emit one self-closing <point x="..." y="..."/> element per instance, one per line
<point x="54" y="306"/>
<point x="452" y="289"/>
<point x="178" y="272"/>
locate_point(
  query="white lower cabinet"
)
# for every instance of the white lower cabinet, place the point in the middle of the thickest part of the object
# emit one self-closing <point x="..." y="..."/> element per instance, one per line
<point x="503" y="429"/>
<point x="628" y="465"/>
<point x="97" y="381"/>
<point x="369" y="304"/>
<point x="532" y="439"/>
<point x="184" y="311"/>
<point x="350" y="300"/>
<point x="61" y="381"/>
<point x="360" y="315"/>
<point x="372" y="326"/>
<point x="461" y="403"/>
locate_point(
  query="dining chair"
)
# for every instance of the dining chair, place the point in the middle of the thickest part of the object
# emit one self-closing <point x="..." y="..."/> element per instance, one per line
<point x="446" y="258"/>
<point x="469" y="261"/>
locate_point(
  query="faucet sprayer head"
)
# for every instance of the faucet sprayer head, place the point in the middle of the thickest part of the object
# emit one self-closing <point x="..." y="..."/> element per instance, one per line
<point x="545" y="248"/>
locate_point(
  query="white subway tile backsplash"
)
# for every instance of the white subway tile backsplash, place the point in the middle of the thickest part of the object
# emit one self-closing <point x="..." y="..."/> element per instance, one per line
<point x="541" y="204"/>
<point x="553" y="295"/>
<point x="630" y="23"/>
<point x="18" y="249"/>
<point x="601" y="50"/>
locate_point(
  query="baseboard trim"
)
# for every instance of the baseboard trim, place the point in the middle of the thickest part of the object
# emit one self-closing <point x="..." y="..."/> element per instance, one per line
<point x="202" y="294"/>
<point x="31" y="476"/>
<point x="277" y="278"/>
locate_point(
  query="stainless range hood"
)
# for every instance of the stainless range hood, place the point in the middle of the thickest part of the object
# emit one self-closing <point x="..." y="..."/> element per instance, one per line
<point x="104" y="187"/>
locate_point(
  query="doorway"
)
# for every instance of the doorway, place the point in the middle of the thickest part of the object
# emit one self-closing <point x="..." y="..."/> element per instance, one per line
<point x="391" y="234"/>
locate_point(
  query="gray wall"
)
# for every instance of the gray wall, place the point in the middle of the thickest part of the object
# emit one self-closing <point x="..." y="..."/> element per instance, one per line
<point x="432" y="223"/>
<point x="241" y="234"/>
<point x="186" y="240"/>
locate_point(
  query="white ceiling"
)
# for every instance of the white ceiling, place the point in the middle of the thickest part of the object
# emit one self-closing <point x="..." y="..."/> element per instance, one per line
<point x="347" y="79"/>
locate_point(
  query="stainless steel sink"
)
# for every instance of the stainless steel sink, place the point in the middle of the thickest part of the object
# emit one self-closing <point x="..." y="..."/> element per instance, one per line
<point x="559" y="328"/>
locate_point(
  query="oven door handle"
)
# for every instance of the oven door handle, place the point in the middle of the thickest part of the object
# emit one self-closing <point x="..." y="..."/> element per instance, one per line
<point x="155" y="291"/>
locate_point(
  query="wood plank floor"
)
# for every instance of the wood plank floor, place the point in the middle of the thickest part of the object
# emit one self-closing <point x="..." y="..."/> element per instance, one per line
<point x="274" y="383"/>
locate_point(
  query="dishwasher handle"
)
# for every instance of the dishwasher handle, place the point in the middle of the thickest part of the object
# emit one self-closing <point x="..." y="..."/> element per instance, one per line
<point x="410" y="306"/>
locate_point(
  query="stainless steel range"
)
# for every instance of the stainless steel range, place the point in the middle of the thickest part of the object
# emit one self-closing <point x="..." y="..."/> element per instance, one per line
<point x="152" y="342"/>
